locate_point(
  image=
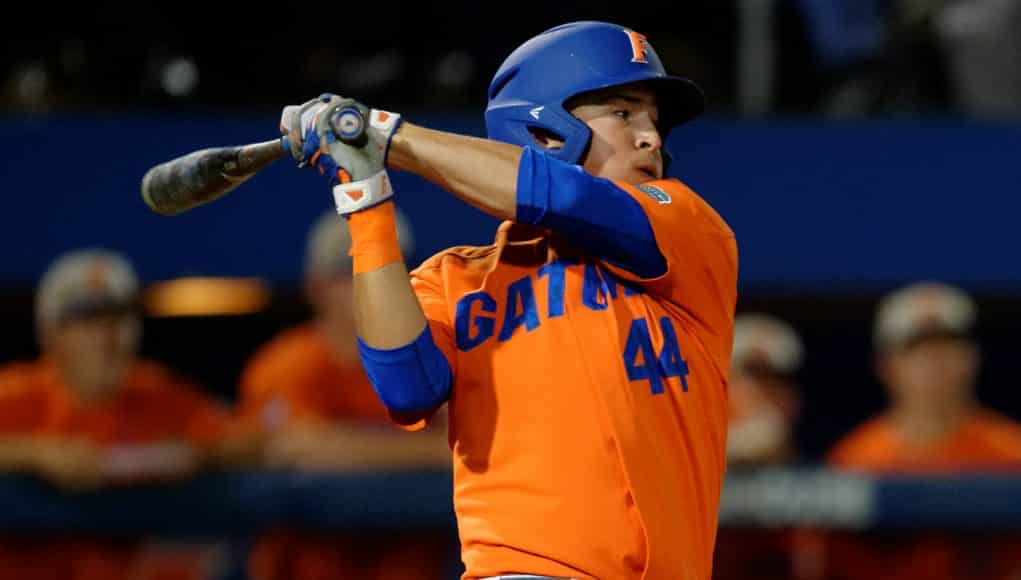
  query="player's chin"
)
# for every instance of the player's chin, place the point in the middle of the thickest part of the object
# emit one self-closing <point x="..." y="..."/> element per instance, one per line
<point x="639" y="176"/>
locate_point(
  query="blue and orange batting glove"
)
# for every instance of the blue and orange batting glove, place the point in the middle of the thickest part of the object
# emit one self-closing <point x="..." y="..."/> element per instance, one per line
<point x="347" y="143"/>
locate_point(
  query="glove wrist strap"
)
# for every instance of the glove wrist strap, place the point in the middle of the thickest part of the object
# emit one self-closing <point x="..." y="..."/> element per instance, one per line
<point x="359" y="195"/>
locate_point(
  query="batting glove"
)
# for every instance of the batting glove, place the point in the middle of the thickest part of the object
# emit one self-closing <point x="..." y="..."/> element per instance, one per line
<point x="348" y="143"/>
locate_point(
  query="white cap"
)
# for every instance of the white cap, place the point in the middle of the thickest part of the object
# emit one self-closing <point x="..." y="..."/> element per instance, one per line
<point x="328" y="243"/>
<point x="921" y="309"/>
<point x="766" y="342"/>
<point x="84" y="283"/>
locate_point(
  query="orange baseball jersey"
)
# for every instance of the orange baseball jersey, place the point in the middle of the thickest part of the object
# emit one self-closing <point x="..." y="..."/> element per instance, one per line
<point x="588" y="412"/>
<point x="296" y="376"/>
<point x="985" y="440"/>
<point x="153" y="405"/>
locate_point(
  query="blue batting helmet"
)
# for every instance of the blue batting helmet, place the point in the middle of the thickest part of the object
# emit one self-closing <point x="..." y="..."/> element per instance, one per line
<point x="532" y="85"/>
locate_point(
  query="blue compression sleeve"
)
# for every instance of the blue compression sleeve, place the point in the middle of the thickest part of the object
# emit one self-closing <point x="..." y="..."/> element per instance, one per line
<point x="591" y="212"/>
<point x="414" y="378"/>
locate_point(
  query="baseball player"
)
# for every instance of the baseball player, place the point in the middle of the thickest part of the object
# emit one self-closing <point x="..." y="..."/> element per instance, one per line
<point x="584" y="353"/>
<point x="90" y="412"/>
<point x="928" y="360"/>
<point x="764" y="393"/>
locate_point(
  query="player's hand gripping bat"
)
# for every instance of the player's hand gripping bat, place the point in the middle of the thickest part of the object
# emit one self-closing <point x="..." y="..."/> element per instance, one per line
<point x="202" y="176"/>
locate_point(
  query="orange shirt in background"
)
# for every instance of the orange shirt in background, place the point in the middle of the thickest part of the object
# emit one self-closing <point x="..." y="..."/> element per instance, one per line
<point x="985" y="442"/>
<point x="152" y="406"/>
<point x="297" y="377"/>
<point x="588" y="414"/>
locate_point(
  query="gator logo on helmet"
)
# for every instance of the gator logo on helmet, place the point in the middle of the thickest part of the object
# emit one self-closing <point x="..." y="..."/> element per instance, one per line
<point x="656" y="193"/>
<point x="639" y="45"/>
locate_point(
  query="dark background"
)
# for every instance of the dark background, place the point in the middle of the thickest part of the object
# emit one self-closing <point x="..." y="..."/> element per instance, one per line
<point x="833" y="205"/>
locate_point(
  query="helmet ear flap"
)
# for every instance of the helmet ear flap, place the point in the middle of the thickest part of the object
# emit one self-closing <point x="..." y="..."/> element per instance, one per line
<point x="546" y="139"/>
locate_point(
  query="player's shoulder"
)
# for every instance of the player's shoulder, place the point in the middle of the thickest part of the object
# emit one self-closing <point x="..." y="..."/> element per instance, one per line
<point x="674" y="194"/>
<point x="18" y="378"/>
<point x="453" y="259"/>
<point x="862" y="444"/>
<point x="283" y="356"/>
<point x="289" y="343"/>
<point x="998" y="426"/>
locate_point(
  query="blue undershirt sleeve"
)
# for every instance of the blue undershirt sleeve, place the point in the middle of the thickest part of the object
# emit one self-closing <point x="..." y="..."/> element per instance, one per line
<point x="591" y="212"/>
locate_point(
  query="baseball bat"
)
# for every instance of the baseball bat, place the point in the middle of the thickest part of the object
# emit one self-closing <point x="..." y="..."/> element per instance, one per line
<point x="205" y="175"/>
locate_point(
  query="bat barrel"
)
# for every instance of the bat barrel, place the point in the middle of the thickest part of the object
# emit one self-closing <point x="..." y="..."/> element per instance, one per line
<point x="203" y="176"/>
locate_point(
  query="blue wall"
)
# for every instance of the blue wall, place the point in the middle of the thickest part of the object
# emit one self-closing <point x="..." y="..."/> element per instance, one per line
<point x="827" y="207"/>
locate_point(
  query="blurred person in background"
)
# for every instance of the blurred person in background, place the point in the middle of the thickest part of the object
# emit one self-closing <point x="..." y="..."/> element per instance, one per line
<point x="928" y="360"/>
<point x="89" y="413"/>
<point x="764" y="395"/>
<point x="765" y="400"/>
<point x="307" y="391"/>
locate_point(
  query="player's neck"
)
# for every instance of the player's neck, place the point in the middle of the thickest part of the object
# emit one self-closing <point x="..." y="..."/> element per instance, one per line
<point x="919" y="426"/>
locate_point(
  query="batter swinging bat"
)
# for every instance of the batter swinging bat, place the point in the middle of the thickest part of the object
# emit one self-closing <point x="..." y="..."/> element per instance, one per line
<point x="202" y="176"/>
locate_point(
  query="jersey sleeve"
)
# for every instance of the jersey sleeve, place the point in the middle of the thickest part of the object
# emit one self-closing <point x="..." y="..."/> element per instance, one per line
<point x="699" y="248"/>
<point x="427" y="283"/>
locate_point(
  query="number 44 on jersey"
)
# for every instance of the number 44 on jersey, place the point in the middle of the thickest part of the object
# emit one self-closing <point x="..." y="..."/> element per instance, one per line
<point x="641" y="361"/>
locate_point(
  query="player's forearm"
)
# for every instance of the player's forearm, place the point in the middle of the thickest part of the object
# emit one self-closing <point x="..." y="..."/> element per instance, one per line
<point x="404" y="452"/>
<point x="387" y="313"/>
<point x="533" y="188"/>
<point x="242" y="448"/>
<point x="17" y="454"/>
<point x="362" y="449"/>
<point x="481" y="172"/>
<point x="406" y="368"/>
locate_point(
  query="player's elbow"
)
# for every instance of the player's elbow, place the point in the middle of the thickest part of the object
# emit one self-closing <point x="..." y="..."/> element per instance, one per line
<point x="411" y="397"/>
<point x="412" y="379"/>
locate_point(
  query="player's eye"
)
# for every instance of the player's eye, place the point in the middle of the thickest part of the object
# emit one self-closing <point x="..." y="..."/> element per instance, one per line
<point x="623" y="113"/>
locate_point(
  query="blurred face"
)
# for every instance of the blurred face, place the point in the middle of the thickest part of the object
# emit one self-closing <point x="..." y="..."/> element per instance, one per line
<point x="94" y="354"/>
<point x="936" y="374"/>
<point x="751" y="392"/>
<point x="626" y="144"/>
<point x="763" y="408"/>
